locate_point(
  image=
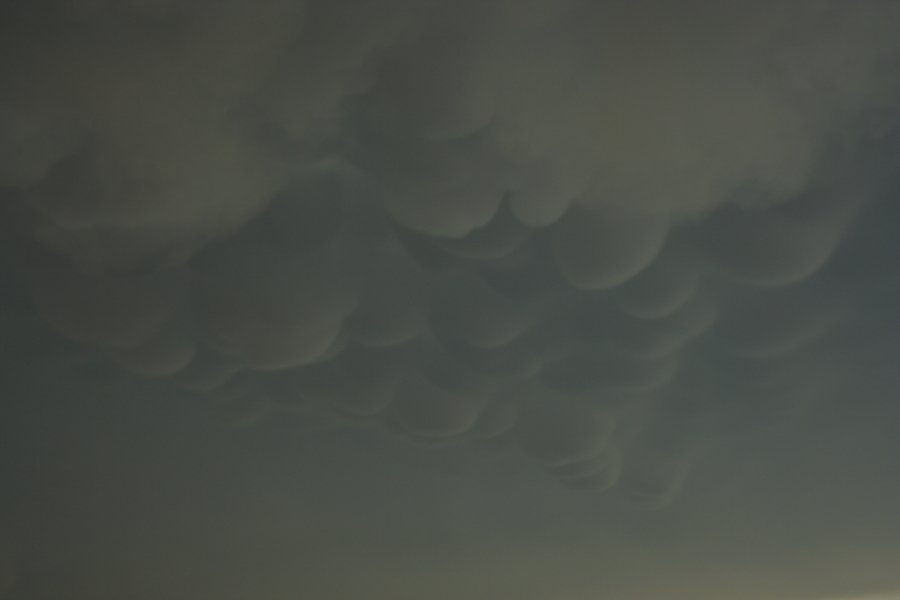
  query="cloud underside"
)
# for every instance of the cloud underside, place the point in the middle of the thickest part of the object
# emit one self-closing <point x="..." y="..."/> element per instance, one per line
<point x="605" y="239"/>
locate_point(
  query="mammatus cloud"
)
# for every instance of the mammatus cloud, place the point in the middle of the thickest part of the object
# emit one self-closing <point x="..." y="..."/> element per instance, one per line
<point x="601" y="235"/>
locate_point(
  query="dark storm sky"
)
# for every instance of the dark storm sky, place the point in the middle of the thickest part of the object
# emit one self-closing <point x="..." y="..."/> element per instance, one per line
<point x="426" y="299"/>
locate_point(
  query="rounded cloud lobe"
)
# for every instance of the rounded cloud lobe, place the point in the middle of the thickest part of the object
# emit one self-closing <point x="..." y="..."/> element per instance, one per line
<point x="589" y="232"/>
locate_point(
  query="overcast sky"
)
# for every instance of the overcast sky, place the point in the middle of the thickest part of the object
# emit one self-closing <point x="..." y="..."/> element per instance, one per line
<point x="431" y="299"/>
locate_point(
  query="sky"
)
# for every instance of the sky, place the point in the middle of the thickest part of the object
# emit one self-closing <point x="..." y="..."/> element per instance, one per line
<point x="419" y="299"/>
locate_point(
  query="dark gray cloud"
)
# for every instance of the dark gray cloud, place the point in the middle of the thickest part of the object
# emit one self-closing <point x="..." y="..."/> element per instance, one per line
<point x="478" y="299"/>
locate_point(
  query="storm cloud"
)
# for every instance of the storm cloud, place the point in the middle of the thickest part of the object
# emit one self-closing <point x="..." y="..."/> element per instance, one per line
<point x="579" y="269"/>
